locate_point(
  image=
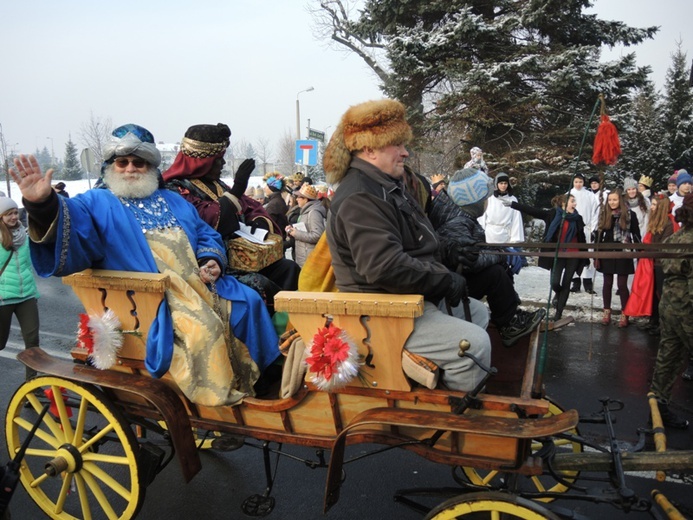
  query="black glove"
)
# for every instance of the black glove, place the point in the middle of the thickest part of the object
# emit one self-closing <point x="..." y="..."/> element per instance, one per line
<point x="457" y="289"/>
<point x="456" y="256"/>
<point x="240" y="180"/>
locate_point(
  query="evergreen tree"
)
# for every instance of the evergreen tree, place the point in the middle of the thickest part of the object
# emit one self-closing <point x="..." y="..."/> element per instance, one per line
<point x="519" y="78"/>
<point x="72" y="169"/>
<point x="43" y="157"/>
<point x="642" y="138"/>
<point x="678" y="111"/>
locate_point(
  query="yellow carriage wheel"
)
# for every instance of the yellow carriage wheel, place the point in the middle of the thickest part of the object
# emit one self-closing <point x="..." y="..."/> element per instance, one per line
<point x="493" y="505"/>
<point x="543" y="483"/>
<point x="86" y="445"/>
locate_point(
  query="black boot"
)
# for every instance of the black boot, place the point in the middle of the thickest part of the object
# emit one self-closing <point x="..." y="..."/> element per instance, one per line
<point x="587" y="284"/>
<point x="576" y="285"/>
<point x="670" y="419"/>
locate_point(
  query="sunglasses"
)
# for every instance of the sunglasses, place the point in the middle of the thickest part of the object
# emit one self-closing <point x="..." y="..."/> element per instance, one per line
<point x="122" y="162"/>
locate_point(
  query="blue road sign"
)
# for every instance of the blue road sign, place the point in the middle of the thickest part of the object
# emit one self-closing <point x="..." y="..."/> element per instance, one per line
<point x="307" y="152"/>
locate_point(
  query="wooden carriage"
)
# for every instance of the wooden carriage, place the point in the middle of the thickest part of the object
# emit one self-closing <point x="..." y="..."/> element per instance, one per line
<point x="89" y="406"/>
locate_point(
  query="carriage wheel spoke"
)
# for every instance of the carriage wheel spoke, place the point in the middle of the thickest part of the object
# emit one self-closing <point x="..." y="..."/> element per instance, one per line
<point x="64" y="490"/>
<point x="83" y="498"/>
<point x="104" y="477"/>
<point x="100" y="496"/>
<point x="59" y="400"/>
<point x="81" y="419"/>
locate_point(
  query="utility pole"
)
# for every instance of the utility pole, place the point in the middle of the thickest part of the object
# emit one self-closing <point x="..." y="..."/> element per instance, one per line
<point x="6" y="159"/>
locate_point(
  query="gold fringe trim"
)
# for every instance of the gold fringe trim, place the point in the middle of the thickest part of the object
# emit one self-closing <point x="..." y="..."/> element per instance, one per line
<point x="350" y="304"/>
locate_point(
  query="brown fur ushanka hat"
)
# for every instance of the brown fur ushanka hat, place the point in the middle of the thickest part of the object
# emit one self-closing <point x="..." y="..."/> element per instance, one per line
<point x="373" y="124"/>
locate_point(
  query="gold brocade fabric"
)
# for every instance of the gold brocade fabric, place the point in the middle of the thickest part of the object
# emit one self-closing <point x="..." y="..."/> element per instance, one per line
<point x="210" y="365"/>
<point x="317" y="273"/>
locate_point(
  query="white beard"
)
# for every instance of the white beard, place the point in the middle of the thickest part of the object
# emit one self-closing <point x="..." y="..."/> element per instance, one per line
<point x="137" y="186"/>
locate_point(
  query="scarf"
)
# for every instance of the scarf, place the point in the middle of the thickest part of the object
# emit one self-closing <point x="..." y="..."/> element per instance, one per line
<point x="570" y="218"/>
<point x="620" y="236"/>
<point x="186" y="167"/>
<point x="18" y="236"/>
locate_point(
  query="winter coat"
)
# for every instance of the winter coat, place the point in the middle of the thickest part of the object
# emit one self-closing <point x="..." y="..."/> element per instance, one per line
<point x="547" y="215"/>
<point x="313" y="216"/>
<point x="380" y="239"/>
<point x="643" y="216"/>
<point x="618" y="266"/>
<point x="17" y="282"/>
<point x="276" y="207"/>
<point x="289" y="242"/>
<point x="453" y="224"/>
<point x="501" y="223"/>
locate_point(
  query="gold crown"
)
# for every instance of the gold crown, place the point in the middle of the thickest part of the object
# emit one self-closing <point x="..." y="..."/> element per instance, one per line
<point x="647" y="181"/>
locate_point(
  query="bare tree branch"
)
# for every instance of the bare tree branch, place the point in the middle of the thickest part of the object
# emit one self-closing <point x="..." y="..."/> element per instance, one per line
<point x="332" y="19"/>
<point x="95" y="133"/>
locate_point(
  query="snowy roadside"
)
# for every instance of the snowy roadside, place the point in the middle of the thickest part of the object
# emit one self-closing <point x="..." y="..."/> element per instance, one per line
<point x="532" y="284"/>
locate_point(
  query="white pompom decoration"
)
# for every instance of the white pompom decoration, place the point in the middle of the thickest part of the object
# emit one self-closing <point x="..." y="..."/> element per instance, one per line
<point x="108" y="338"/>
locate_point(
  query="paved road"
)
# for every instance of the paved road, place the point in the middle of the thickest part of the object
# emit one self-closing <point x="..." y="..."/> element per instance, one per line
<point x="585" y="362"/>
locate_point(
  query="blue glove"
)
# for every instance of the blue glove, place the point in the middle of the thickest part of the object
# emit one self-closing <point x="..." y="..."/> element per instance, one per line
<point x="515" y="262"/>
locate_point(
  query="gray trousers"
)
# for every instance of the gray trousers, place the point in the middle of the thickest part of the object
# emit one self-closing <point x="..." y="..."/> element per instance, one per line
<point x="437" y="337"/>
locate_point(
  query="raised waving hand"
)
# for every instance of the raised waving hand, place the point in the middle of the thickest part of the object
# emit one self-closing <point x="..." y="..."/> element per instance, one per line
<point x="35" y="187"/>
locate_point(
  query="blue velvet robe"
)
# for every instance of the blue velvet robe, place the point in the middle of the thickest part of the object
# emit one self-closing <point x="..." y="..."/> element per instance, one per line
<point x="95" y="230"/>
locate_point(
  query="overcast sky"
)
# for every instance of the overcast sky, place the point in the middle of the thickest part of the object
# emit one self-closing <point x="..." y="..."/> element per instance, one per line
<point x="167" y="64"/>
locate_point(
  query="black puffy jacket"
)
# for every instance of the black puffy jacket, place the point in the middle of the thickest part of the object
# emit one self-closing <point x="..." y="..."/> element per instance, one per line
<point x="453" y="224"/>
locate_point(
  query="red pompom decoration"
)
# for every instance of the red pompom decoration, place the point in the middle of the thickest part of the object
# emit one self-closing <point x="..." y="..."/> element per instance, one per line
<point x="607" y="146"/>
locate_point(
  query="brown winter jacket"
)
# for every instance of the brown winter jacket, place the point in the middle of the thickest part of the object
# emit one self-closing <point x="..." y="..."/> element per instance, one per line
<point x="380" y="239"/>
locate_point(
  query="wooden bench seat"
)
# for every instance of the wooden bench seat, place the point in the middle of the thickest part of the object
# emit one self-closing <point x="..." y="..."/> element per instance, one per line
<point x="379" y="325"/>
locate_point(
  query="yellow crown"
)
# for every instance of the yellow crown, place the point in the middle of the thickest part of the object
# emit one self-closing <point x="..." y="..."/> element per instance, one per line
<point x="647" y="181"/>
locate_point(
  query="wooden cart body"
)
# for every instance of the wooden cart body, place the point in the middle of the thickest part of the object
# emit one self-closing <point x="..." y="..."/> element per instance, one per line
<point x="382" y="406"/>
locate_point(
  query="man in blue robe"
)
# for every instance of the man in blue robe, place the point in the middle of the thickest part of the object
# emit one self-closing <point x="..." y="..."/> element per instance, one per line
<point x="223" y="335"/>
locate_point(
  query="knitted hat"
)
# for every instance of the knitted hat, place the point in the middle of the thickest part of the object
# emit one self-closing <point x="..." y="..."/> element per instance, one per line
<point x="594" y="178"/>
<point x="683" y="177"/>
<point x="501" y="177"/>
<point x="646" y="181"/>
<point x="579" y="175"/>
<point x="134" y="140"/>
<point x="373" y="124"/>
<point x="629" y="182"/>
<point x="308" y="191"/>
<point x="202" y="141"/>
<point x="275" y="182"/>
<point x="468" y="189"/>
<point x="7" y="204"/>
<point x="672" y="179"/>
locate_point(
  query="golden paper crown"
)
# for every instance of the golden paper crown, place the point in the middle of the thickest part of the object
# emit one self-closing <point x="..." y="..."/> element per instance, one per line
<point x="647" y="181"/>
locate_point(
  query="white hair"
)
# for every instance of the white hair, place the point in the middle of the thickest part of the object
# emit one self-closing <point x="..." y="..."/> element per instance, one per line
<point x="137" y="186"/>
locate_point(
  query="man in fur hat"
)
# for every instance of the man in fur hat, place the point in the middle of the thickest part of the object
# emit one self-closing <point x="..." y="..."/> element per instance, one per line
<point x="132" y="224"/>
<point x="382" y="242"/>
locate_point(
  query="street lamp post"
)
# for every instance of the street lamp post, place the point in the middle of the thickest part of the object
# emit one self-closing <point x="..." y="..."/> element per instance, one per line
<point x="298" y="112"/>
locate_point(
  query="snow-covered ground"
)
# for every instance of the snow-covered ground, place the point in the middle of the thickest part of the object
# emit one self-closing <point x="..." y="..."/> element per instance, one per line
<point x="532" y="284"/>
